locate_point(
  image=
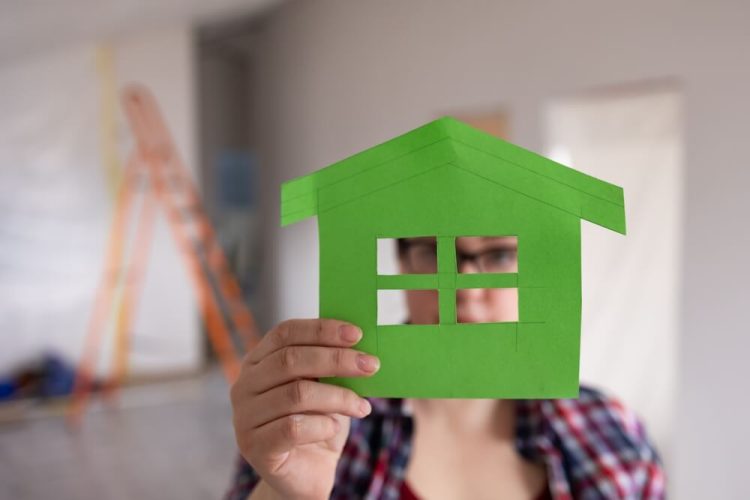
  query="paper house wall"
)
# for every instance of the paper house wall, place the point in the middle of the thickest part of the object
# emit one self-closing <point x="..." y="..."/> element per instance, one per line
<point x="446" y="179"/>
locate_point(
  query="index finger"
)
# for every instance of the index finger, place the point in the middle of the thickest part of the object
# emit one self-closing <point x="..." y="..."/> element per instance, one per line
<point x="319" y="332"/>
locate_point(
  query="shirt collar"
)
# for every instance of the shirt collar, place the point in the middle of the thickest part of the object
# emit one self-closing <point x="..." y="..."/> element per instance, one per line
<point x="390" y="407"/>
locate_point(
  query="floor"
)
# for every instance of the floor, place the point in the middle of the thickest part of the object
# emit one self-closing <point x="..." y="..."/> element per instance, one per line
<point x="163" y="441"/>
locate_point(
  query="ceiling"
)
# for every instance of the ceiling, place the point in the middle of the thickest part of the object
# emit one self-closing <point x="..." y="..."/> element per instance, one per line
<point x="30" y="26"/>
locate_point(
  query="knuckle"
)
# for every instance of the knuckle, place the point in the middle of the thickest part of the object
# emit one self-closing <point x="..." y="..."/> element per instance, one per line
<point x="248" y="360"/>
<point x="289" y="359"/>
<point x="319" y="330"/>
<point x="282" y="333"/>
<point x="299" y="393"/>
<point x="337" y="357"/>
<point x="292" y="428"/>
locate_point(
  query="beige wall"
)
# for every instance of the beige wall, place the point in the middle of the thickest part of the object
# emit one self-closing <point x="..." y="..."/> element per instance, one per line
<point x="335" y="77"/>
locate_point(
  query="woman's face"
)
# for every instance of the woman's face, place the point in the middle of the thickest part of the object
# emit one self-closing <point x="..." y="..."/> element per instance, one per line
<point x="474" y="254"/>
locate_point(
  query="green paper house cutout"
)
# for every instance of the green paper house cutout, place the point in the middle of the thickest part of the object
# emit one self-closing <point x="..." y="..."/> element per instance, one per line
<point x="447" y="179"/>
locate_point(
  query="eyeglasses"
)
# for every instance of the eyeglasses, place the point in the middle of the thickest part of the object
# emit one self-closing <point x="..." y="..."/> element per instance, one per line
<point x="421" y="258"/>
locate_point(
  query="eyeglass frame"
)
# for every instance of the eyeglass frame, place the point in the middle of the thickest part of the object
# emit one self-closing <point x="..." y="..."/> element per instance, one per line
<point x="404" y="244"/>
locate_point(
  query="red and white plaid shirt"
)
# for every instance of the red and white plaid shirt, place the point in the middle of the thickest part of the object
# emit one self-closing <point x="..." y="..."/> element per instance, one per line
<point x="592" y="448"/>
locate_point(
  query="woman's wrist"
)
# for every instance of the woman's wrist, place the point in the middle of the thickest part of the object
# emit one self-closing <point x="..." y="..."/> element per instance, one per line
<point x="264" y="492"/>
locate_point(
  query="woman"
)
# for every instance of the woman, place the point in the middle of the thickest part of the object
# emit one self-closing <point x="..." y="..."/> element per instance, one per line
<point x="302" y="439"/>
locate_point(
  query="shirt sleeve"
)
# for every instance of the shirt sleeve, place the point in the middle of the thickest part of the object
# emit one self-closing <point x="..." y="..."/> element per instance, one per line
<point x="648" y="474"/>
<point x="602" y="448"/>
<point x="244" y="481"/>
<point x="628" y="458"/>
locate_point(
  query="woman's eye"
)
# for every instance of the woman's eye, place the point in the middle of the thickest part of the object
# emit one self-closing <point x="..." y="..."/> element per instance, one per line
<point x="426" y="251"/>
<point x="501" y="258"/>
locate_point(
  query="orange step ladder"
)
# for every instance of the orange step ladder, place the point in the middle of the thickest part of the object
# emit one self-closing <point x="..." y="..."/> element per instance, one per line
<point x="156" y="173"/>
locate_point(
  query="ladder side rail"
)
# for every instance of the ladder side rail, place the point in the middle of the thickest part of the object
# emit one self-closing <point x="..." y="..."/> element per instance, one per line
<point x="217" y="329"/>
<point x="105" y="295"/>
<point x="136" y="272"/>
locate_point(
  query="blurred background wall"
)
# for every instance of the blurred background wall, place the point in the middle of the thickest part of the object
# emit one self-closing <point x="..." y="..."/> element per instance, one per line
<point x="304" y="83"/>
<point x="57" y="197"/>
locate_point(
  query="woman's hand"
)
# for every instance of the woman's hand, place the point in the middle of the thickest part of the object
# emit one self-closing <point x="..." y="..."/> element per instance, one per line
<point x="290" y="427"/>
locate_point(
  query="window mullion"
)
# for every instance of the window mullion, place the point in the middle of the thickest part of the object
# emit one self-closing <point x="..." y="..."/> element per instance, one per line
<point x="447" y="270"/>
<point x="407" y="282"/>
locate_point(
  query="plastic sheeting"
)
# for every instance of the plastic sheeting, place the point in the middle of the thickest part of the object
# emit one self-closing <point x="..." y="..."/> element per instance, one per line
<point x="55" y="209"/>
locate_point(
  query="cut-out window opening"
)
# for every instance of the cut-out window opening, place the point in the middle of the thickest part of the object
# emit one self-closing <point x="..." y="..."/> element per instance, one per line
<point x="448" y="270"/>
<point x="416" y="255"/>
<point x="482" y="254"/>
<point x="487" y="305"/>
<point x="393" y="310"/>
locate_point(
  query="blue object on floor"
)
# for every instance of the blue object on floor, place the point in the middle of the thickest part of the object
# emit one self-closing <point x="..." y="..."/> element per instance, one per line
<point x="7" y="389"/>
<point x="58" y="377"/>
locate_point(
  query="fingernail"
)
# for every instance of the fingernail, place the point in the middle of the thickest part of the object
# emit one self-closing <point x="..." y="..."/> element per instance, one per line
<point x="368" y="363"/>
<point x="350" y="333"/>
<point x="364" y="407"/>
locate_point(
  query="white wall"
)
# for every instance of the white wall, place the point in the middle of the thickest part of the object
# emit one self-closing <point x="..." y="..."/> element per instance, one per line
<point x="630" y="285"/>
<point x="56" y="206"/>
<point x="168" y="324"/>
<point x="341" y="76"/>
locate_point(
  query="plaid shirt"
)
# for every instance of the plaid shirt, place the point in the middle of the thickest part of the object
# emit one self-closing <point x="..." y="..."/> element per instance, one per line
<point x="592" y="448"/>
